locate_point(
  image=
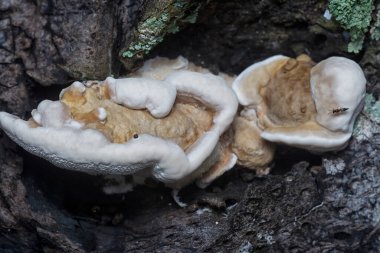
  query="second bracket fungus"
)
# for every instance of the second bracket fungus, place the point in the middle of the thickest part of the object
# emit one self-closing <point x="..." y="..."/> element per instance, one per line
<point x="169" y="128"/>
<point x="303" y="104"/>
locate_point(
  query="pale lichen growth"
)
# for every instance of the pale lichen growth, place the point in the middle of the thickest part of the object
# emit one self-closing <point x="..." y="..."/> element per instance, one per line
<point x="334" y="167"/>
<point x="149" y="35"/>
<point x="368" y="122"/>
<point x="160" y="19"/>
<point x="372" y="108"/>
<point x="375" y="31"/>
<point x="356" y="17"/>
<point x="266" y="237"/>
<point x="245" y="247"/>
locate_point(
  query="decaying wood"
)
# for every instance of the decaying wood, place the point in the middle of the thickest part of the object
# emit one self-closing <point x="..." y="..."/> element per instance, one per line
<point x="308" y="204"/>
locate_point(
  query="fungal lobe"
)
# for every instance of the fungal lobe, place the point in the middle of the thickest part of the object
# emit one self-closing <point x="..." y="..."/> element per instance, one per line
<point x="290" y="108"/>
<point x="184" y="125"/>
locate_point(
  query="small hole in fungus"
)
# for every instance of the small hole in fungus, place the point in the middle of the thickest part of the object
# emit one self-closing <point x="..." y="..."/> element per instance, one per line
<point x="135" y="136"/>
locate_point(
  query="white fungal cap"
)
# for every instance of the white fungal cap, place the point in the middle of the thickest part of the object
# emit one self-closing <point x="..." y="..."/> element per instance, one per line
<point x="214" y="92"/>
<point x="310" y="136"/>
<point x="139" y="93"/>
<point x="77" y="86"/>
<point x="67" y="145"/>
<point x="89" y="151"/>
<point x="51" y="114"/>
<point x="159" y="68"/>
<point x="337" y="83"/>
<point x="211" y="90"/>
<point x="302" y="104"/>
<point x="246" y="84"/>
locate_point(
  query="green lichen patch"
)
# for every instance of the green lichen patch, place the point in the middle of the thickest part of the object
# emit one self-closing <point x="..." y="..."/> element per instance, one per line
<point x="149" y="35"/>
<point x="355" y="17"/>
<point x="372" y="108"/>
<point x="160" y="18"/>
<point x="376" y="29"/>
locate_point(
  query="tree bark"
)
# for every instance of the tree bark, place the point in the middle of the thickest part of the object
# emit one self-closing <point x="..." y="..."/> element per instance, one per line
<point x="305" y="205"/>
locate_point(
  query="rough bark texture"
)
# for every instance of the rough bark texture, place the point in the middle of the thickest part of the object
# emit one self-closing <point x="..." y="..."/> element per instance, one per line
<point x="310" y="203"/>
<point x="158" y="19"/>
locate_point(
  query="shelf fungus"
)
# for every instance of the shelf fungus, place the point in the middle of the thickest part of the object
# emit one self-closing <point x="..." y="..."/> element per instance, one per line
<point x="169" y="126"/>
<point x="159" y="68"/>
<point x="303" y="104"/>
<point x="240" y="144"/>
<point x="178" y="122"/>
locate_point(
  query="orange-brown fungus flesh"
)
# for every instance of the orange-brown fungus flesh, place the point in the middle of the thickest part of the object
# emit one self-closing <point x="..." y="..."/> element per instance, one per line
<point x="288" y="96"/>
<point x="184" y="125"/>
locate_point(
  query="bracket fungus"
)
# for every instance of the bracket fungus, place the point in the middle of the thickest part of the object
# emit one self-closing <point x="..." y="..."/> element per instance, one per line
<point x="178" y="122"/>
<point x="159" y="68"/>
<point x="241" y="144"/>
<point x="167" y="125"/>
<point x="303" y="104"/>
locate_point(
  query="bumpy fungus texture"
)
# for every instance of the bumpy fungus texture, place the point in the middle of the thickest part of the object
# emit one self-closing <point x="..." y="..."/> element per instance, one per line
<point x="303" y="104"/>
<point x="169" y="128"/>
<point x="159" y="68"/>
<point x="252" y="151"/>
<point x="178" y="122"/>
<point x="241" y="143"/>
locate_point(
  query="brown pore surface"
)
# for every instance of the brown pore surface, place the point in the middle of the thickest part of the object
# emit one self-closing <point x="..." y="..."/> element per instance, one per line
<point x="184" y="125"/>
<point x="288" y="96"/>
<point x="252" y="151"/>
<point x="224" y="160"/>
